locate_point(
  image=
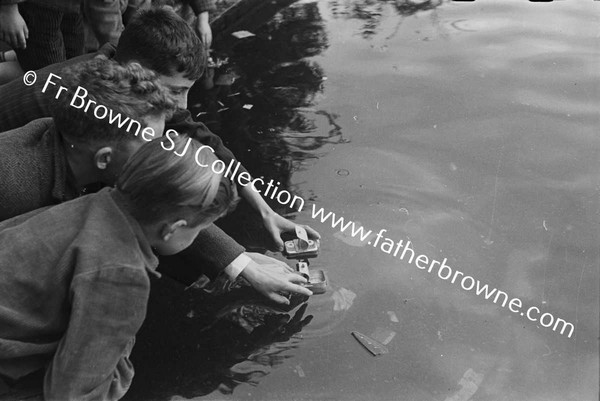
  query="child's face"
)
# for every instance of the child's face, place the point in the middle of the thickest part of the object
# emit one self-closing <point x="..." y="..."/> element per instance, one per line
<point x="177" y="236"/>
<point x="178" y="86"/>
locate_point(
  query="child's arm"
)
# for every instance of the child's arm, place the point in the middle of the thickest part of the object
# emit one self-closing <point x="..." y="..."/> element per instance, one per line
<point x="201" y="9"/>
<point x="183" y="123"/>
<point x="107" y="309"/>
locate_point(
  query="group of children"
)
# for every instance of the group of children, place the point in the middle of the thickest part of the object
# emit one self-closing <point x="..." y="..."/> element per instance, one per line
<point x="88" y="208"/>
<point x="41" y="32"/>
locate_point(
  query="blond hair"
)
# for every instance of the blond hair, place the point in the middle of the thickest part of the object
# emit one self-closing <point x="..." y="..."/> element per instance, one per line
<point x="158" y="184"/>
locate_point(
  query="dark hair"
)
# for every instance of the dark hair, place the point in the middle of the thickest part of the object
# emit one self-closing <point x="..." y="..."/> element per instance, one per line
<point x="161" y="40"/>
<point x="130" y="90"/>
<point x="158" y="184"/>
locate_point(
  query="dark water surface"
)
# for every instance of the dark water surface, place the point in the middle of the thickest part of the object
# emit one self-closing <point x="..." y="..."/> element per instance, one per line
<point x="470" y="129"/>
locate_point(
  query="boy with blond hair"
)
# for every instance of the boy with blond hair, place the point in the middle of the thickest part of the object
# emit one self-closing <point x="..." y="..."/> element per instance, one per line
<point x="76" y="276"/>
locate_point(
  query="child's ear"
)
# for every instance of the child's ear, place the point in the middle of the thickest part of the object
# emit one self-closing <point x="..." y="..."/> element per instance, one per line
<point x="168" y="229"/>
<point x="102" y="157"/>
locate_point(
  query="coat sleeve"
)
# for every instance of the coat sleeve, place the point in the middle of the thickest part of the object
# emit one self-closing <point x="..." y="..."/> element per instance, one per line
<point x="108" y="306"/>
<point x="209" y="254"/>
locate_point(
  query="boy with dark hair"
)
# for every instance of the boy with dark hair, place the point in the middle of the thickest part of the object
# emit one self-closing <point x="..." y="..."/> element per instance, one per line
<point x="167" y="48"/>
<point x="157" y="38"/>
<point x="160" y="39"/>
<point x="75" y="277"/>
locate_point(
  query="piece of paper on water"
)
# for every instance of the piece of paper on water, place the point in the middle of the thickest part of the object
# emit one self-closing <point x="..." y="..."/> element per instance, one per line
<point x="342" y="299"/>
<point x="469" y="384"/>
<point x="383" y="335"/>
<point x="247" y="106"/>
<point x="243" y="34"/>
<point x="393" y="316"/>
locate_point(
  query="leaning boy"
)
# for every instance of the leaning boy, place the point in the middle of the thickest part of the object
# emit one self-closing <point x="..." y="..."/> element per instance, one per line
<point x="75" y="277"/>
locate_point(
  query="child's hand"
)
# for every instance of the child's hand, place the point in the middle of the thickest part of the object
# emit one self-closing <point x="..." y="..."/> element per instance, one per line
<point x="275" y="225"/>
<point x="272" y="277"/>
<point x="13" y="28"/>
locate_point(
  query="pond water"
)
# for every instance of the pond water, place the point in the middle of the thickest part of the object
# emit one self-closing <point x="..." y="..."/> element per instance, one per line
<point x="468" y="128"/>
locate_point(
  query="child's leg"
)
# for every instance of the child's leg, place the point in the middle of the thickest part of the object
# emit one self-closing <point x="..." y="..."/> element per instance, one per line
<point x="73" y="34"/>
<point x="45" y="44"/>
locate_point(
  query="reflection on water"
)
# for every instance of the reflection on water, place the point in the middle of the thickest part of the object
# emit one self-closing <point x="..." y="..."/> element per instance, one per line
<point x="372" y="11"/>
<point x="468" y="128"/>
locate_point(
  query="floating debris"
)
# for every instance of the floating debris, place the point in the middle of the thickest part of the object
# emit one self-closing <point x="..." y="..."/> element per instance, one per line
<point x="370" y="345"/>
<point x="223" y="109"/>
<point x="383" y="335"/>
<point x="201" y="113"/>
<point x="343" y="172"/>
<point x="242" y="34"/>
<point x="220" y="104"/>
<point x="247" y="106"/>
<point x="191" y="314"/>
<point x="393" y="316"/>
<point x="469" y="385"/>
<point x="300" y="371"/>
<point x="342" y="299"/>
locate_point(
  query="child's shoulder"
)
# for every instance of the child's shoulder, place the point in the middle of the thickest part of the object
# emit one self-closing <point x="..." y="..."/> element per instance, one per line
<point x="108" y="237"/>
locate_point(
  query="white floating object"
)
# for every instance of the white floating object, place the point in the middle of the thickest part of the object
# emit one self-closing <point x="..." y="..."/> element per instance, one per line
<point x="383" y="335"/>
<point x="342" y="299"/>
<point x="243" y="34"/>
<point x="393" y="316"/>
<point x="469" y="384"/>
<point x="247" y="106"/>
